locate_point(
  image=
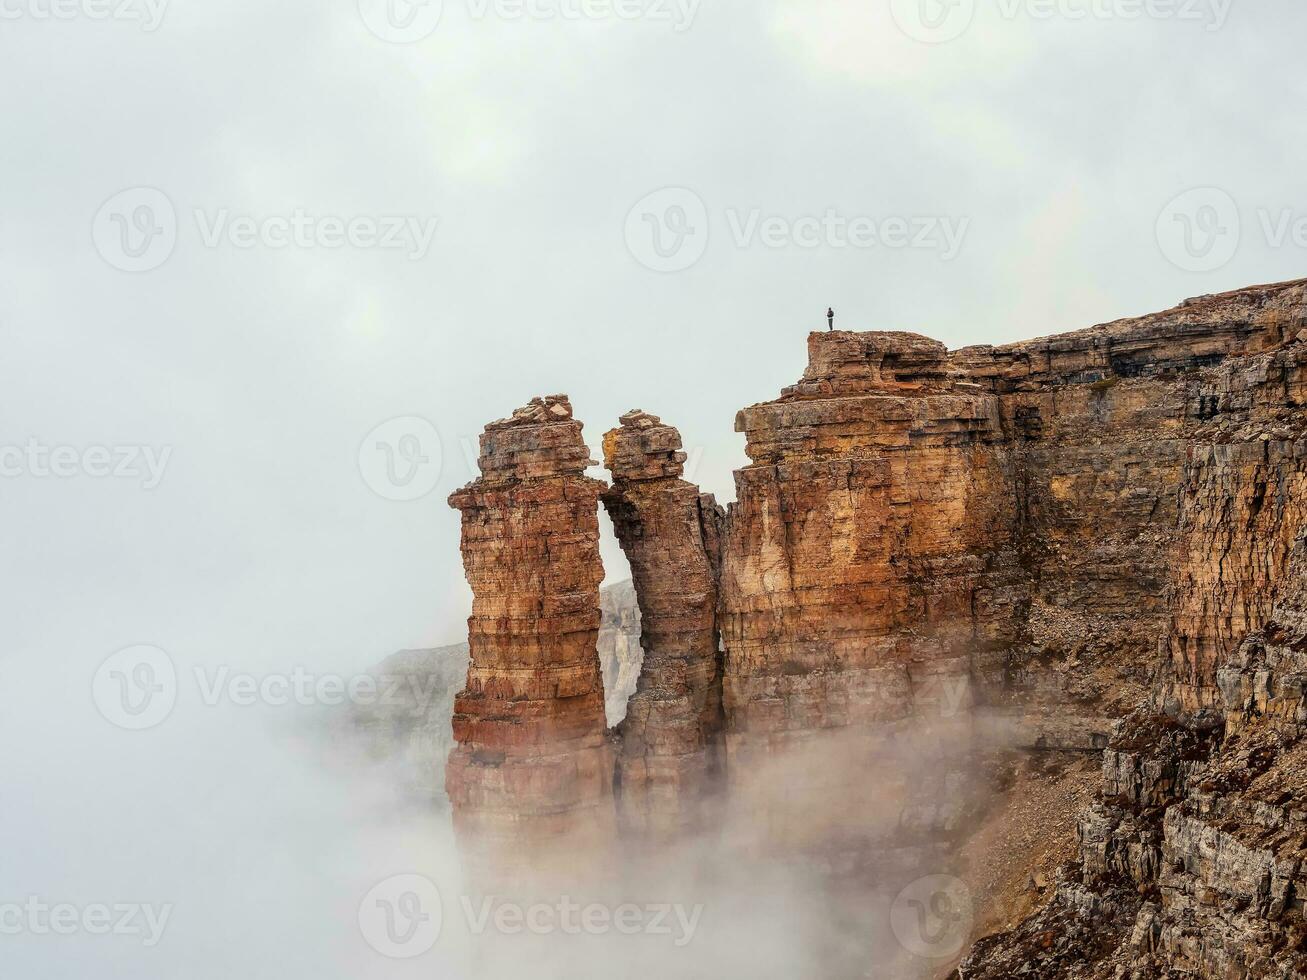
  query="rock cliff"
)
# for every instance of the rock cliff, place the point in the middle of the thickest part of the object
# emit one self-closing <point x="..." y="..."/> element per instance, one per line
<point x="1190" y="862"/>
<point x="940" y="563"/>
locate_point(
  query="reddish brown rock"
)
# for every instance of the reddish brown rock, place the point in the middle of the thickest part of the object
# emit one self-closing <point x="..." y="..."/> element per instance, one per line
<point x="670" y="745"/>
<point x="532" y="769"/>
<point x="869" y="568"/>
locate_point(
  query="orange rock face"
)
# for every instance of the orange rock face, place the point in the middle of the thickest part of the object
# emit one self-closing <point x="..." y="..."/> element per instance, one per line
<point x="932" y="555"/>
<point x="532" y="763"/>
<point x="989" y="535"/>
<point x="670" y="738"/>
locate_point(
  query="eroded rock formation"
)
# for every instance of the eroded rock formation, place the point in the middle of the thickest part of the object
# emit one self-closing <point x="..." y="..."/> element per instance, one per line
<point x="937" y="559"/>
<point x="670" y="738"/>
<point x="533" y="765"/>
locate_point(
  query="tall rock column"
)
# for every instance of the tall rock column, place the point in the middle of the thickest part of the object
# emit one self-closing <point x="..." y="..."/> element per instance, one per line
<point x="532" y="764"/>
<point x="670" y="754"/>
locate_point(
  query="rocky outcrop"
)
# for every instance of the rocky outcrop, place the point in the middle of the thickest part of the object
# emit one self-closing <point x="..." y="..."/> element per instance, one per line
<point x="533" y="764"/>
<point x="1191" y="861"/>
<point x="670" y="739"/>
<point x="937" y="559"/>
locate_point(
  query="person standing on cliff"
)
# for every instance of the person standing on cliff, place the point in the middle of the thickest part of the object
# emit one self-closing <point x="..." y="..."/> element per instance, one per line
<point x="830" y="318"/>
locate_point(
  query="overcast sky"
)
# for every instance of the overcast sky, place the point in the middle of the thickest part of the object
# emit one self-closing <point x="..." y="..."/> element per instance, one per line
<point x="1029" y="158"/>
<point x="236" y="238"/>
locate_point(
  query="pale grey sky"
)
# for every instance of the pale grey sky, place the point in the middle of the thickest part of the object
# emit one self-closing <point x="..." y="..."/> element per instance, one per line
<point x="976" y="171"/>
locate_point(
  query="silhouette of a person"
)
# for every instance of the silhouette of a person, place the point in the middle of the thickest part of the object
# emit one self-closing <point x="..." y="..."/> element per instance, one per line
<point x="830" y="318"/>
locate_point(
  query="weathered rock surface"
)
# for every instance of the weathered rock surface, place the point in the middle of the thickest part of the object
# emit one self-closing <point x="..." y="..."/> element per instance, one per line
<point x="532" y="769"/>
<point x="937" y="559"/>
<point x="670" y="739"/>
<point x="1191" y="861"/>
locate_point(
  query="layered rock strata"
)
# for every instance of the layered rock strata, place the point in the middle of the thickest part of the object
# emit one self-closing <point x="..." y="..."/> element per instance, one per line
<point x="870" y="564"/>
<point x="532" y="768"/>
<point x="936" y="558"/>
<point x="670" y="739"/>
<point x="1191" y="862"/>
